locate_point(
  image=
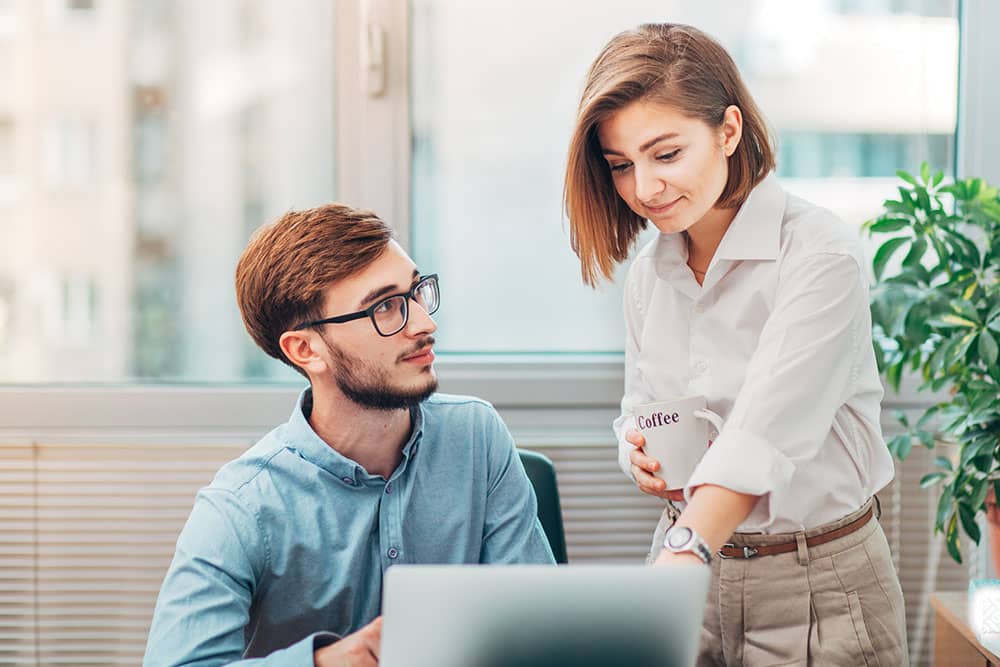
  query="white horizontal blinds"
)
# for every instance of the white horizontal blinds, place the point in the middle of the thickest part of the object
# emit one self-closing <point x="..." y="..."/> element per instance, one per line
<point x="17" y="556"/>
<point x="605" y="517"/>
<point x="87" y="532"/>
<point x="100" y="528"/>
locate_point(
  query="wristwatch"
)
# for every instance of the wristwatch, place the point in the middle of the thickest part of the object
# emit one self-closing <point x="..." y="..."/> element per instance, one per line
<point x="681" y="539"/>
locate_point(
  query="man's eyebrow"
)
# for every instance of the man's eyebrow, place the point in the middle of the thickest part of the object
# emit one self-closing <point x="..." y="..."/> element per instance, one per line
<point x="646" y="146"/>
<point x="379" y="292"/>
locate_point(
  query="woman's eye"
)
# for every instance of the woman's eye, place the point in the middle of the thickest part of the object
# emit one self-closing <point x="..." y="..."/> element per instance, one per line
<point x="666" y="157"/>
<point x="620" y="167"/>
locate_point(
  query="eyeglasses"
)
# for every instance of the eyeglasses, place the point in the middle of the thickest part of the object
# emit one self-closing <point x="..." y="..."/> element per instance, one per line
<point x="391" y="314"/>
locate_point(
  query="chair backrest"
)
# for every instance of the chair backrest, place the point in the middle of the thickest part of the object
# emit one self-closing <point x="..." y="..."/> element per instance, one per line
<point x="542" y="474"/>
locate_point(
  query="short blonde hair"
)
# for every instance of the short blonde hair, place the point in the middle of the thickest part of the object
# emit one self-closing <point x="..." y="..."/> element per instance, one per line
<point x="670" y="64"/>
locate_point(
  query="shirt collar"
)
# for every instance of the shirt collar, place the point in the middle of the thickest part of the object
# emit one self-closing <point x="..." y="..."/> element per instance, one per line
<point x="300" y="435"/>
<point x="755" y="232"/>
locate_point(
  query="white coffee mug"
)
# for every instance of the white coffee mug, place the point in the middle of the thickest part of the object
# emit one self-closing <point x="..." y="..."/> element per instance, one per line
<point x="676" y="433"/>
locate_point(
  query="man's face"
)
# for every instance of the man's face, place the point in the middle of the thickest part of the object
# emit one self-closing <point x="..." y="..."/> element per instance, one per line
<point x="374" y="371"/>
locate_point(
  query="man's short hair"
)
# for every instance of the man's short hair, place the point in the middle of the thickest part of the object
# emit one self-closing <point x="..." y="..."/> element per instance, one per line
<point x="287" y="267"/>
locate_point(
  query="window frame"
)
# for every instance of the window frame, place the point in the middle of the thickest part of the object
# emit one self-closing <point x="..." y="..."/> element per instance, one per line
<point x="372" y="132"/>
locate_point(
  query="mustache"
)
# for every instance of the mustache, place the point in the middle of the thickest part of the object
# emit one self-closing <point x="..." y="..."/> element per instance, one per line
<point x="421" y="344"/>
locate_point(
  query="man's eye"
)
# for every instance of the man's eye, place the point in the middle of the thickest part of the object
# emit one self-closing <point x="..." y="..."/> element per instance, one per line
<point x="384" y="307"/>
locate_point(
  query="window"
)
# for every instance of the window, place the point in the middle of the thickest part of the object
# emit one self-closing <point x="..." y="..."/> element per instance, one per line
<point x="855" y="90"/>
<point x="69" y="153"/>
<point x="194" y="124"/>
<point x="68" y="12"/>
<point x="70" y="312"/>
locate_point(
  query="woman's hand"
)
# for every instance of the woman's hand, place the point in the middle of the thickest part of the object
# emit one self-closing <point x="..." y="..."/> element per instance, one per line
<point x="643" y="468"/>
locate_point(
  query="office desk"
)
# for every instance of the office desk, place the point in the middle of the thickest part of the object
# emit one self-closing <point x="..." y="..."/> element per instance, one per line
<point x="955" y="643"/>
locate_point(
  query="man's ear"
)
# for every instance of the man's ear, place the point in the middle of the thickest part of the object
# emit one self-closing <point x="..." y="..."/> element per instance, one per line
<point x="300" y="347"/>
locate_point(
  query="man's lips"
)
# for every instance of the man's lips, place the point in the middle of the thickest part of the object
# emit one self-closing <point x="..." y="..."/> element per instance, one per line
<point x="424" y="355"/>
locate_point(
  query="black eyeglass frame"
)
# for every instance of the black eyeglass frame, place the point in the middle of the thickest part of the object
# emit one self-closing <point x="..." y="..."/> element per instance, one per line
<point x="369" y="312"/>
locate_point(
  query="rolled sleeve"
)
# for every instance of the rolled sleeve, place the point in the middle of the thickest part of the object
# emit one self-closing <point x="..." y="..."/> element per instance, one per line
<point x="801" y="373"/>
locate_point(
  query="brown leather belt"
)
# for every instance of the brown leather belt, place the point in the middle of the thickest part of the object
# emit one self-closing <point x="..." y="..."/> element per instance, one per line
<point x="732" y="551"/>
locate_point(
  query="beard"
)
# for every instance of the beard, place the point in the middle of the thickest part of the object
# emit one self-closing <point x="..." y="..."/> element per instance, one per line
<point x="370" y="387"/>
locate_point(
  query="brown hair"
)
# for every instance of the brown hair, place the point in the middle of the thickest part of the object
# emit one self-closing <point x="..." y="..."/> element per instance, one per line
<point x="288" y="265"/>
<point x="669" y="64"/>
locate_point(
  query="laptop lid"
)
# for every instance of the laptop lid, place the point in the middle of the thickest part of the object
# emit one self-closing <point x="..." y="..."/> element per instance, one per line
<point x="520" y="615"/>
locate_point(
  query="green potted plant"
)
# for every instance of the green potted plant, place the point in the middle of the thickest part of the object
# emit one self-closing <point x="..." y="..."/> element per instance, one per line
<point x="936" y="314"/>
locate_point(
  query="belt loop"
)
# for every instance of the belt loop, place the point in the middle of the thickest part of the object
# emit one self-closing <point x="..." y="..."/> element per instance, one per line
<point x="803" y="548"/>
<point x="878" y="507"/>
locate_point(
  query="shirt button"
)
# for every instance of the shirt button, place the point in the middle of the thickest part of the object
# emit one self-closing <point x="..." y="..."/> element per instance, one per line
<point x="392" y="553"/>
<point x="388" y="487"/>
<point x="348" y="481"/>
<point x="699" y="308"/>
<point x="700" y="367"/>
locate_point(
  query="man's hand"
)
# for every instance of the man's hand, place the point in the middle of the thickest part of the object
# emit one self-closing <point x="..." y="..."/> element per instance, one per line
<point x="643" y="468"/>
<point x="360" y="649"/>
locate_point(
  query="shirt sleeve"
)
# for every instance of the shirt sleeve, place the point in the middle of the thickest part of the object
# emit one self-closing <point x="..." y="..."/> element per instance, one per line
<point x="512" y="532"/>
<point x="204" y="603"/>
<point x="801" y="373"/>
<point x="630" y="399"/>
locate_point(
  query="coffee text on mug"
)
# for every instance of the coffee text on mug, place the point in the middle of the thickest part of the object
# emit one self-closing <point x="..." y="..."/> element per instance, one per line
<point x="658" y="419"/>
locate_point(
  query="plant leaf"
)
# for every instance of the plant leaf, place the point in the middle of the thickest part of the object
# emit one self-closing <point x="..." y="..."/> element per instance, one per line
<point x="968" y="519"/>
<point x="952" y="321"/>
<point x="925" y="172"/>
<point x="906" y="177"/>
<point x="930" y="479"/>
<point x="885" y="253"/>
<point x="943" y="462"/>
<point x="886" y="225"/>
<point x="987" y="347"/>
<point x="951" y="539"/>
<point x="916" y="253"/>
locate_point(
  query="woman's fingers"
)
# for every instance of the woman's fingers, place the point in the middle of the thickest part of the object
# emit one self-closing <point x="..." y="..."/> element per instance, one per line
<point x="635" y="438"/>
<point x="643" y="466"/>
<point x="637" y="457"/>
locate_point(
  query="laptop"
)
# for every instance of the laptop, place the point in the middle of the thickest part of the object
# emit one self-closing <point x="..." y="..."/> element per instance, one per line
<point x="542" y="615"/>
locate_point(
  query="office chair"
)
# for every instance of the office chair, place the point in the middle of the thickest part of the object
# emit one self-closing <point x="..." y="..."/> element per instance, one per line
<point x="542" y="474"/>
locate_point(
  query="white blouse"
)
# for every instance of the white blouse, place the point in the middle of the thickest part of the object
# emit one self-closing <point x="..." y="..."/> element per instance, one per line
<point x="778" y="339"/>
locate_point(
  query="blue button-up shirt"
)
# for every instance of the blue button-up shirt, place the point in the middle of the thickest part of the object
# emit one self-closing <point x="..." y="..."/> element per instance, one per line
<point x="286" y="550"/>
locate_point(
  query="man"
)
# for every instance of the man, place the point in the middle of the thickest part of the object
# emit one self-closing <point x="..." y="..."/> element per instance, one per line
<point x="283" y="556"/>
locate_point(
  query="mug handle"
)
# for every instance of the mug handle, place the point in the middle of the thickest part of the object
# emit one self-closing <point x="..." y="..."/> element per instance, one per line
<point x="710" y="416"/>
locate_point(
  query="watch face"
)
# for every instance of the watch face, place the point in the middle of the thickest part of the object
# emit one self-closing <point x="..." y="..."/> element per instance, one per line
<point x="678" y="537"/>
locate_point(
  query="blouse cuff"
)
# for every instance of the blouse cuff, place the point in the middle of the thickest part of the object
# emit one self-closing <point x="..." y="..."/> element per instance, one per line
<point x="745" y="463"/>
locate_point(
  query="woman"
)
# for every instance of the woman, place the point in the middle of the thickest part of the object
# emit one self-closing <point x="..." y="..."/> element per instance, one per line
<point x="758" y="301"/>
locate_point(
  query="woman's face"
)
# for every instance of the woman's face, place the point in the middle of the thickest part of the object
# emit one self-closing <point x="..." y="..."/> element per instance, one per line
<point x="668" y="167"/>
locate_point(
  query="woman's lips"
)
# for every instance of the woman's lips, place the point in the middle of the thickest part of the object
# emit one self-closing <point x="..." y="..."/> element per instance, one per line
<point x="659" y="210"/>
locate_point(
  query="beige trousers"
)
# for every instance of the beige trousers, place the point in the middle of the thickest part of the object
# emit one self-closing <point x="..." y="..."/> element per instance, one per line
<point x="837" y="603"/>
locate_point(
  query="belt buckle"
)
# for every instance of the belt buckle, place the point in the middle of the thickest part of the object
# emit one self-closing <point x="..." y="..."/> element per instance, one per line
<point x="748" y="552"/>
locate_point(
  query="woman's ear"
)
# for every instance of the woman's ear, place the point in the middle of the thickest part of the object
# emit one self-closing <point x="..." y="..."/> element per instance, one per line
<point x="731" y="129"/>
